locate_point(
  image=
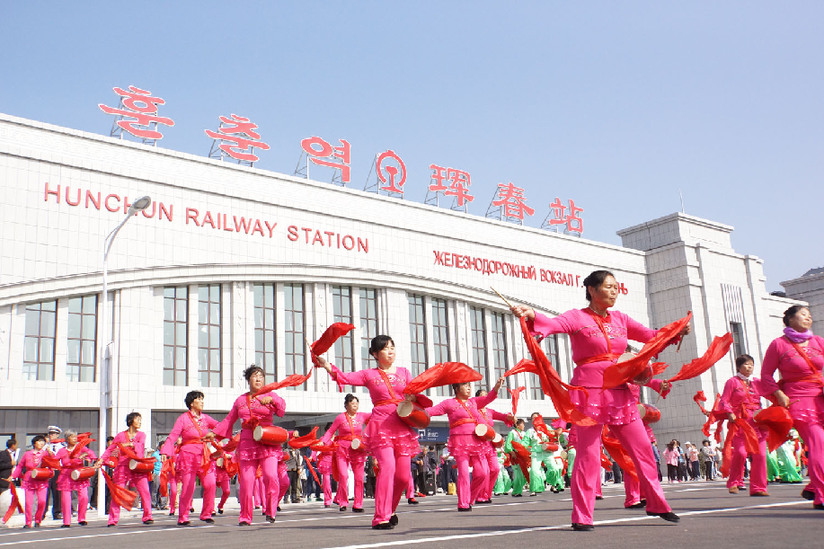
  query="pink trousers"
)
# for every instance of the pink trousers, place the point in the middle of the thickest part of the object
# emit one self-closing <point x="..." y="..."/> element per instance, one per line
<point x="813" y="434"/>
<point x="271" y="487"/>
<point x="480" y="491"/>
<point x="39" y="494"/>
<point x="82" y="504"/>
<point x="142" y="484"/>
<point x="468" y="491"/>
<point x="187" y="489"/>
<point x="342" y="496"/>
<point x="225" y="491"/>
<point x="326" y="480"/>
<point x="586" y="475"/>
<point x="758" y="471"/>
<point x="394" y="474"/>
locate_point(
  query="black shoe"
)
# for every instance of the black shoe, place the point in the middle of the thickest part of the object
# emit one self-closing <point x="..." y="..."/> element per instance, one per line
<point x="26" y="527"/>
<point x="110" y="525"/>
<point x="668" y="516"/>
<point x="270" y="519"/>
<point x="278" y="508"/>
<point x="808" y="494"/>
<point x="58" y="516"/>
<point x="342" y="508"/>
<point x="517" y="495"/>
<point x="818" y="506"/>
<point x="65" y="526"/>
<point x="243" y="523"/>
<point x="483" y="502"/>
<point x="638" y="505"/>
<point x="357" y="510"/>
<point x="578" y="527"/>
<point x="184" y="523"/>
<point x="412" y="501"/>
<point x="148" y="521"/>
<point x="82" y="523"/>
<point x="393" y="520"/>
<point x="37" y="525"/>
<point x="171" y="513"/>
<point x="464" y="509"/>
<point x="599" y="498"/>
<point x="209" y="521"/>
<point x="383" y="526"/>
<point x="220" y="511"/>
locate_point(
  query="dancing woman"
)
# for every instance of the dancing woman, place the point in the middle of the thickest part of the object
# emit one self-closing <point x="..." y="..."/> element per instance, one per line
<point x="391" y="441"/>
<point x="463" y="443"/>
<point x="36" y="489"/>
<point x="799" y="357"/>
<point x="598" y="337"/>
<point x="73" y="458"/>
<point x="254" y="411"/>
<point x="349" y="427"/>
<point x="192" y="459"/>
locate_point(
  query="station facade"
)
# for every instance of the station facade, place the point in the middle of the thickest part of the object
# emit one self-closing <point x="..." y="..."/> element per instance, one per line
<point x="232" y="265"/>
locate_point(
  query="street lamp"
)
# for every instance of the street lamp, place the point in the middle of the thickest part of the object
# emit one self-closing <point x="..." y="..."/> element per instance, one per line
<point x="105" y="352"/>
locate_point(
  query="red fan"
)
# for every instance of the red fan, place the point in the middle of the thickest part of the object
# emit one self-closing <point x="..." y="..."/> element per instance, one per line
<point x="551" y="383"/>
<point x="522" y="457"/>
<point x="289" y="381"/>
<point x="306" y="440"/>
<point x="444" y="373"/>
<point x="515" y="395"/>
<point x="778" y="422"/>
<point x="717" y="349"/>
<point x="623" y="372"/>
<point x="330" y="336"/>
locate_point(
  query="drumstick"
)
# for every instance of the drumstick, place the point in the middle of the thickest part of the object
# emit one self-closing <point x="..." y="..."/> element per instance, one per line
<point x="502" y="297"/>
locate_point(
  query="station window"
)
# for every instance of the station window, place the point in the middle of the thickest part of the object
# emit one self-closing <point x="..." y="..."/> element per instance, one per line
<point x="82" y="338"/>
<point x="499" y="347"/>
<point x="294" y="329"/>
<point x="477" y="326"/>
<point x="342" y="312"/>
<point x="209" y="328"/>
<point x="175" y="335"/>
<point x="41" y="329"/>
<point x="440" y="336"/>
<point x="368" y="322"/>
<point x="264" y="302"/>
<point x="417" y="334"/>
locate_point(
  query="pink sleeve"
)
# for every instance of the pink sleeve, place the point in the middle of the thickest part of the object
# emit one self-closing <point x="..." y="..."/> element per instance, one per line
<point x="637" y="331"/>
<point x="224" y="428"/>
<point x="482" y="402"/>
<point x="496" y="415"/>
<point x="168" y="447"/>
<point x="543" y="325"/>
<point x="18" y="469"/>
<point x="440" y="409"/>
<point x="278" y="404"/>
<point x="330" y="432"/>
<point x="358" y="378"/>
<point x="725" y="404"/>
<point x="768" y="368"/>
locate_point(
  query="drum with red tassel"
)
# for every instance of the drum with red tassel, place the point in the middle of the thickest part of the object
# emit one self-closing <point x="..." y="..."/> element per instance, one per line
<point x="413" y="414"/>
<point x="485" y="432"/>
<point x="498" y="441"/>
<point x="41" y="473"/>
<point x="649" y="413"/>
<point x="356" y="444"/>
<point x="84" y="473"/>
<point x="141" y="466"/>
<point x="270" y="435"/>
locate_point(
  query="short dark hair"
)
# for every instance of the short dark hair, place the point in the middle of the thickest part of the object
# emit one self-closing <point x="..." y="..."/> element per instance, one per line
<point x="191" y="396"/>
<point x="740" y="360"/>
<point x="520" y="421"/>
<point x="35" y="438"/>
<point x="131" y="417"/>
<point x="251" y="370"/>
<point x="11" y="442"/>
<point x="479" y="391"/>
<point x="455" y="387"/>
<point x="349" y="398"/>
<point x="594" y="280"/>
<point x="791" y="312"/>
<point x="379" y="343"/>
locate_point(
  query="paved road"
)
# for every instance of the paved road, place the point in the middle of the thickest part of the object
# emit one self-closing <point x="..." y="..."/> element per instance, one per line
<point x="709" y="515"/>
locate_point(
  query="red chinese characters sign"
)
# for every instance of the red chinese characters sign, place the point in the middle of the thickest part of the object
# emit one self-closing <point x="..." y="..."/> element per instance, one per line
<point x="141" y="107"/>
<point x="238" y="137"/>
<point x="512" y="200"/>
<point x="451" y="182"/>
<point x="574" y="224"/>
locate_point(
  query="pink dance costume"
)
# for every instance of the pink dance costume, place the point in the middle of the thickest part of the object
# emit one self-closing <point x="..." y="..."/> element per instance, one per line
<point x="803" y="386"/>
<point x="490" y="455"/>
<point x="222" y="481"/>
<point x="390" y="441"/>
<point x="347" y="428"/>
<point x="189" y="462"/>
<point x="614" y="407"/>
<point x="123" y="476"/>
<point x="324" y="461"/>
<point x="67" y="485"/>
<point x="740" y="398"/>
<point x="250" y="453"/>
<point x="465" y="445"/>
<point x="36" y="489"/>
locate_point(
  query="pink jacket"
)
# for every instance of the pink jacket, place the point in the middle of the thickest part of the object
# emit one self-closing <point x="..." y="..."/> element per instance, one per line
<point x="138" y="443"/>
<point x="458" y="413"/>
<point x="345" y="429"/>
<point x="191" y="430"/>
<point x="739" y="398"/>
<point x="794" y="370"/>
<point x="383" y="411"/>
<point x="588" y="340"/>
<point x="246" y="409"/>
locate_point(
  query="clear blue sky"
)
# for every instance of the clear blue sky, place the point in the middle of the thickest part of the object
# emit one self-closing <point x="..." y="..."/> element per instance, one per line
<point x="617" y="105"/>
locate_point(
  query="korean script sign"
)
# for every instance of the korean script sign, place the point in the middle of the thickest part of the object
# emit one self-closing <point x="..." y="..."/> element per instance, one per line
<point x="323" y="153"/>
<point x="238" y="137"/>
<point x="138" y="112"/>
